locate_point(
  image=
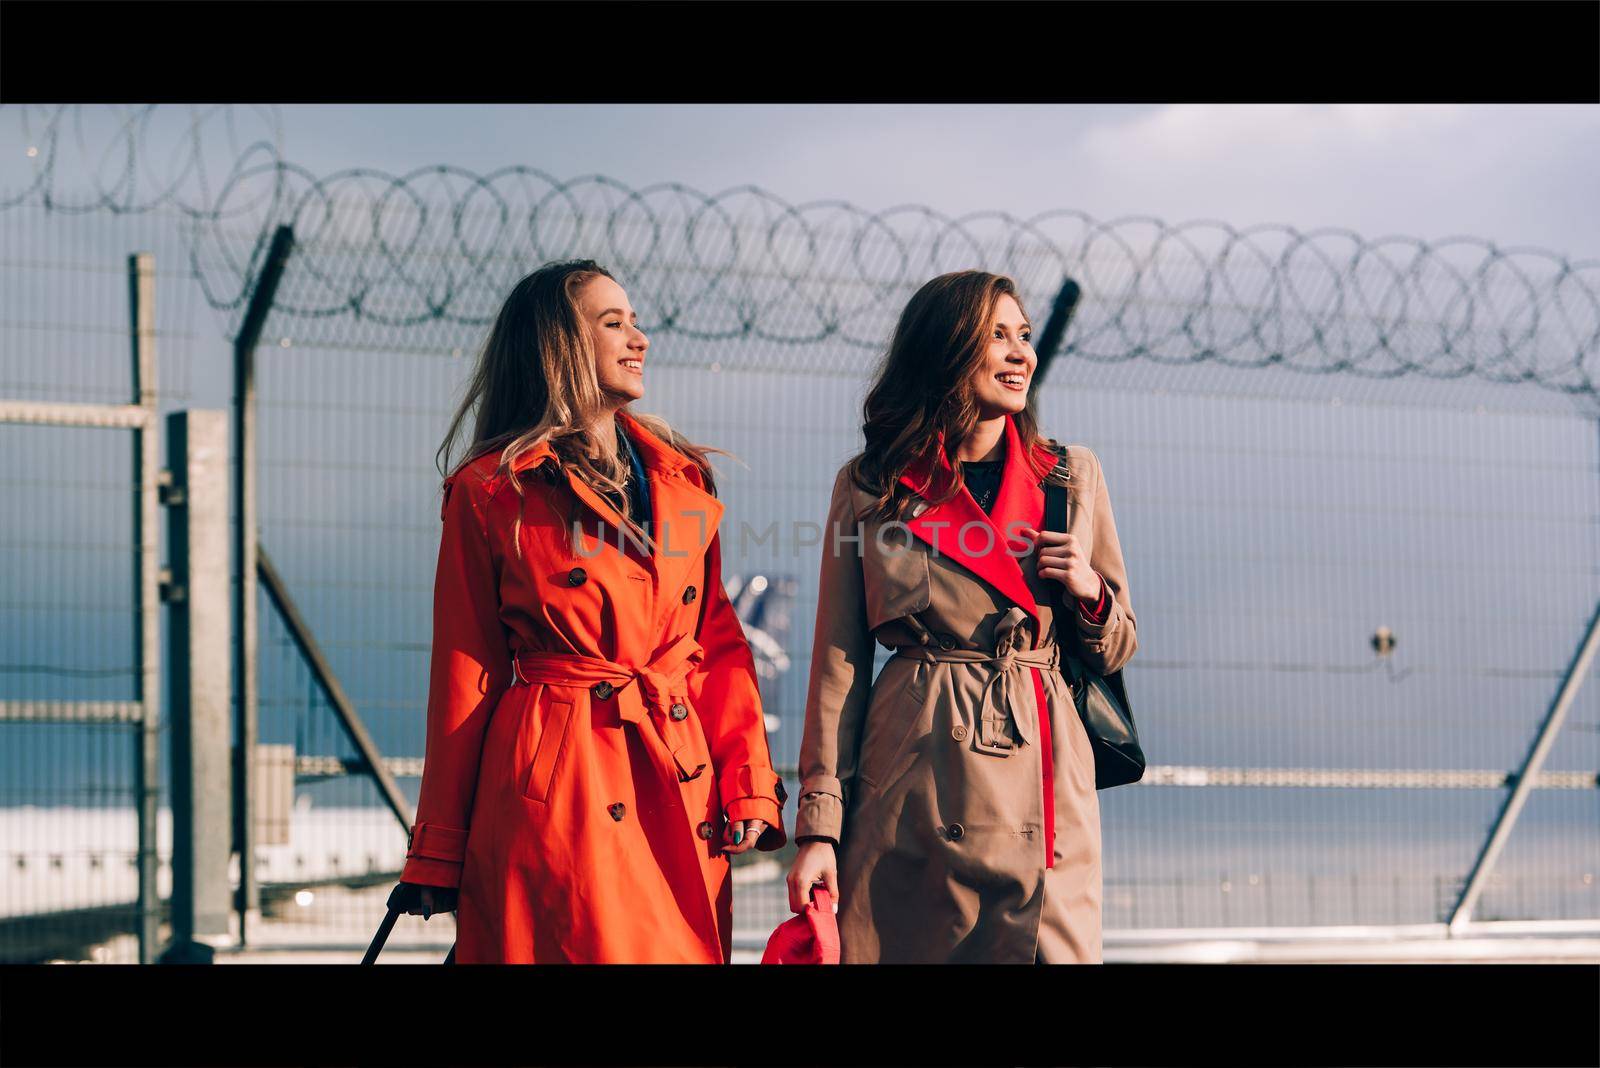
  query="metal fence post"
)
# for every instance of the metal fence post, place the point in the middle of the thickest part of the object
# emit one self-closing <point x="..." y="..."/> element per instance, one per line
<point x="246" y="667"/>
<point x="146" y="578"/>
<point x="370" y="760"/>
<point x="1055" y="328"/>
<point x="199" y="597"/>
<point x="1531" y="765"/>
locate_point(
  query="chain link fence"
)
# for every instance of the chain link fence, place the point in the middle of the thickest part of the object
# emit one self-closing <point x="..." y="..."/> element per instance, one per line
<point x="74" y="612"/>
<point x="1307" y="436"/>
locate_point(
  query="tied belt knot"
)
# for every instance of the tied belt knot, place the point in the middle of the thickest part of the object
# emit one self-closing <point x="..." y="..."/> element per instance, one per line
<point x="1007" y="703"/>
<point x="654" y="698"/>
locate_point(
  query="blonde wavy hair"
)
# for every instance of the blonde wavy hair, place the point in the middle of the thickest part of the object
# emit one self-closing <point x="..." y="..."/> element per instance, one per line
<point x="535" y="382"/>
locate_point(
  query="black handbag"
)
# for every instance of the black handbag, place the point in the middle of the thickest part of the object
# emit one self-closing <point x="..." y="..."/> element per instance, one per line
<point x="400" y="900"/>
<point x="1102" y="700"/>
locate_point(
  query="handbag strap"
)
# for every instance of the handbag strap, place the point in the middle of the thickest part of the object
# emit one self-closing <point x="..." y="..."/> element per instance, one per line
<point x="1055" y="502"/>
<point x="1055" y="518"/>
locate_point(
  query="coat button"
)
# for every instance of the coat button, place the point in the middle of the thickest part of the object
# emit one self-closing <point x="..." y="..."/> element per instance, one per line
<point x="618" y="811"/>
<point x="602" y="690"/>
<point x="946" y="642"/>
<point x="689" y="595"/>
<point x="704" y="831"/>
<point x="679" y="712"/>
<point x="577" y="577"/>
<point x="956" y="831"/>
<point x="959" y="733"/>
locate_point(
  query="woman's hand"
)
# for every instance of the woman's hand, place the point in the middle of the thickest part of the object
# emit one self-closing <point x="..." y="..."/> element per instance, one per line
<point x="1061" y="557"/>
<point x="740" y="835"/>
<point x="814" y="863"/>
<point x="424" y="901"/>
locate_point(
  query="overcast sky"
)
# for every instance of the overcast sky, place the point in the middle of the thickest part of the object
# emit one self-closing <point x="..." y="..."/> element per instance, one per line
<point x="1515" y="174"/>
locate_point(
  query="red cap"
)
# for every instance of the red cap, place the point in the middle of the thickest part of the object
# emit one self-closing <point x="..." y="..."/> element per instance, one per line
<point x="809" y="938"/>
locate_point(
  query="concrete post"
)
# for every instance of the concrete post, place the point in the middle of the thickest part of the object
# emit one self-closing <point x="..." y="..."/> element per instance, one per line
<point x="200" y="598"/>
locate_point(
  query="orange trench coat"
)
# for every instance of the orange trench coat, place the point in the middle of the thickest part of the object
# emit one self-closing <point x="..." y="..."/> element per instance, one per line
<point x="578" y="796"/>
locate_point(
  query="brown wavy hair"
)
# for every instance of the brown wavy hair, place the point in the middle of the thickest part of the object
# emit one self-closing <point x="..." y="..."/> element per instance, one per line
<point x="535" y="382"/>
<point x="927" y="385"/>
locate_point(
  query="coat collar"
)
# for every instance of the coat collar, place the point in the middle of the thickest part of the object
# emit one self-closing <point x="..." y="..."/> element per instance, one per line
<point x="684" y="517"/>
<point x="656" y="454"/>
<point x="1019" y="500"/>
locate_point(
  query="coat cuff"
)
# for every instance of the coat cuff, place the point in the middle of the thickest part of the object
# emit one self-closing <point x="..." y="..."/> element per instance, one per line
<point x="821" y="813"/>
<point x="750" y="791"/>
<point x="425" y="872"/>
<point x="434" y="855"/>
<point x="434" y="841"/>
<point x="1100" y="609"/>
<point x="1092" y="631"/>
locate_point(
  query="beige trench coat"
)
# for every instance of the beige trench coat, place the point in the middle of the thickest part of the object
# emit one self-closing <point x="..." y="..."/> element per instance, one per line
<point x="930" y="780"/>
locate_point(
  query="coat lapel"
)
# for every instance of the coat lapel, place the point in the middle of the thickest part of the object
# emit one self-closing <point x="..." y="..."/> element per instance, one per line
<point x="580" y="489"/>
<point x="684" y="517"/>
<point x="596" y="501"/>
<point x="1019" y="500"/>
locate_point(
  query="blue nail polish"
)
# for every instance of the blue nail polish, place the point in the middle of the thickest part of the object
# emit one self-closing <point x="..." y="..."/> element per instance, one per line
<point x="738" y="836"/>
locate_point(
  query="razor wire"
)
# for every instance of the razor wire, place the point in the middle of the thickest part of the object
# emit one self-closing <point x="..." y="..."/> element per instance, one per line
<point x="422" y="260"/>
<point x="127" y="159"/>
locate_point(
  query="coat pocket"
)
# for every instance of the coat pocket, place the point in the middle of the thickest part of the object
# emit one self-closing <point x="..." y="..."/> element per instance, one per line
<point x="896" y="716"/>
<point x="545" y="725"/>
<point x="687" y="740"/>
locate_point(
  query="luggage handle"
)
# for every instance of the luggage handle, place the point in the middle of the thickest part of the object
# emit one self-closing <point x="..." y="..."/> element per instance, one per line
<point x="399" y="900"/>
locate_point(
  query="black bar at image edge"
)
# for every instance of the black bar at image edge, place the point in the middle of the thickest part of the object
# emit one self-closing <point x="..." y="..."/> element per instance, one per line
<point x="1354" y="51"/>
<point x="1392" y="1014"/>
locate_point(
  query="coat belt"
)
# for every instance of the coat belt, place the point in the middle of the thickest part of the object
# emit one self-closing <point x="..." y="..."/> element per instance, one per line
<point x="653" y="688"/>
<point x="1008" y="695"/>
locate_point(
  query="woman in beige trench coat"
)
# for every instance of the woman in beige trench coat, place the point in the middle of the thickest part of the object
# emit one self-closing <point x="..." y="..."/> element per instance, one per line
<point x="950" y="806"/>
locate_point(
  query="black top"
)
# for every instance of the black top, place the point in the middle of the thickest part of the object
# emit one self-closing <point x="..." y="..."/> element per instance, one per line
<point x="638" y="484"/>
<point x="983" y="481"/>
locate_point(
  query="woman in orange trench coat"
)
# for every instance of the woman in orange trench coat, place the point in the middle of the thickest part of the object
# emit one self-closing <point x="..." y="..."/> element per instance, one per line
<point x="595" y="743"/>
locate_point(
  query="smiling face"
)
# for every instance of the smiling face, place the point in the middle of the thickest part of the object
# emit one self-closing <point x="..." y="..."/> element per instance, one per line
<point x="1006" y="371"/>
<point x="619" y="345"/>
